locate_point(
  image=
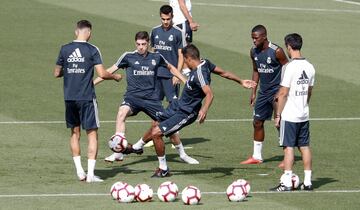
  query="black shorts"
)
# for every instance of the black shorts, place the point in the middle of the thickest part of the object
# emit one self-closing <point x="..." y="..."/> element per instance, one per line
<point x="294" y="134"/>
<point x="186" y="30"/>
<point x="84" y="113"/>
<point x="167" y="89"/>
<point x="152" y="108"/>
<point x="264" y="106"/>
<point x="176" y="122"/>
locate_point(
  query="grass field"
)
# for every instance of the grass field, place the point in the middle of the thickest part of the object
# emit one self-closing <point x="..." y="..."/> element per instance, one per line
<point x="36" y="169"/>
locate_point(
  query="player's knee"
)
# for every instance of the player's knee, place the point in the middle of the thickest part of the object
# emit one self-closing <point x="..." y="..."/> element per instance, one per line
<point x="156" y="132"/>
<point x="258" y="124"/>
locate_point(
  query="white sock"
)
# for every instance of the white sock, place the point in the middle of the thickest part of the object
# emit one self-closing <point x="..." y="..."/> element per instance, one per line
<point x="78" y="166"/>
<point x="307" y="177"/>
<point x="162" y="163"/>
<point x="91" y="167"/>
<point x="287" y="178"/>
<point x="180" y="150"/>
<point x="257" y="150"/>
<point x="139" y="144"/>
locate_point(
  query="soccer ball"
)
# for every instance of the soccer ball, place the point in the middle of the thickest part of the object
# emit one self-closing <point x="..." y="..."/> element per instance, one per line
<point x="122" y="192"/>
<point x="167" y="191"/>
<point x="238" y="190"/>
<point x="118" y="143"/>
<point x="191" y="195"/>
<point x="143" y="193"/>
<point x="295" y="180"/>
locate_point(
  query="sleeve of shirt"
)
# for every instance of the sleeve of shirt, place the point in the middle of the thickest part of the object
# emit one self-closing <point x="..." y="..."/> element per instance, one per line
<point x="210" y="65"/>
<point x="180" y="41"/>
<point x="152" y="38"/>
<point x="286" y="80"/>
<point x="162" y="61"/>
<point x="312" y="80"/>
<point x="122" y="62"/>
<point x="202" y="77"/>
<point x="97" y="58"/>
<point x="60" y="60"/>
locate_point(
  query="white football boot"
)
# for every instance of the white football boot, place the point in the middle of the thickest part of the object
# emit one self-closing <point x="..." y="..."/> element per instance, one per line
<point x="115" y="157"/>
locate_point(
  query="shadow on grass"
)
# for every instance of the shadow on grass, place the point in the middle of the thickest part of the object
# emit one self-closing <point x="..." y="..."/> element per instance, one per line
<point x="279" y="158"/>
<point x="190" y="141"/>
<point x="318" y="182"/>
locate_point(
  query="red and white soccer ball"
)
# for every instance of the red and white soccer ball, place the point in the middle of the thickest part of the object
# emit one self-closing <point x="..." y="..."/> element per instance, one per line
<point x="122" y="192"/>
<point x="118" y="143"/>
<point x="168" y="191"/>
<point x="143" y="193"/>
<point x="295" y="180"/>
<point x="238" y="190"/>
<point x="191" y="195"/>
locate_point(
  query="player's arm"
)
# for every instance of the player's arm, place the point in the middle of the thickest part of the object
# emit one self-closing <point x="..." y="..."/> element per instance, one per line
<point x="179" y="66"/>
<point x="281" y="100"/>
<point x="309" y="93"/>
<point x="193" y="25"/>
<point x="106" y="74"/>
<point x="209" y="97"/>
<point x="280" y="56"/>
<point x="58" y="71"/>
<point x="231" y="76"/>
<point x="176" y="72"/>
<point x="255" y="77"/>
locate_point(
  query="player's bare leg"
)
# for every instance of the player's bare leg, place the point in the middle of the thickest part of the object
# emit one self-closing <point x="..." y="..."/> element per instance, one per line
<point x="163" y="170"/>
<point x="92" y="154"/>
<point x="259" y="135"/>
<point x="307" y="160"/>
<point x="175" y="139"/>
<point x="75" y="150"/>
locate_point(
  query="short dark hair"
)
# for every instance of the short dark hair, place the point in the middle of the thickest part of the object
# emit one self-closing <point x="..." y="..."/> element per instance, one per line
<point x="293" y="40"/>
<point x="191" y="51"/>
<point x="142" y="35"/>
<point x="83" y="24"/>
<point x="259" y="28"/>
<point x="166" y="9"/>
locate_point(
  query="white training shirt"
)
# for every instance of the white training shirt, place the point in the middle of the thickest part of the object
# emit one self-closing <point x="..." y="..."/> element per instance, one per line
<point x="298" y="76"/>
<point x="178" y="15"/>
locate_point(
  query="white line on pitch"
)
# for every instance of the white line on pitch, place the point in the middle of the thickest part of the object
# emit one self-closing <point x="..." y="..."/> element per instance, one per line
<point x="348" y="2"/>
<point x="270" y="7"/>
<point x="215" y="193"/>
<point x="209" y="120"/>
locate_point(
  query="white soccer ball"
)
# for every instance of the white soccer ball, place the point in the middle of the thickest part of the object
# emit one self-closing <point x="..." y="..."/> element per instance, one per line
<point x="191" y="195"/>
<point x="143" y="193"/>
<point x="118" y="143"/>
<point x="122" y="192"/>
<point x="295" y="180"/>
<point x="167" y="191"/>
<point x="238" y="190"/>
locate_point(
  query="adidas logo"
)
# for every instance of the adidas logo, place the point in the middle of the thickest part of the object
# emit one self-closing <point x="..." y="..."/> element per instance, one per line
<point x="164" y="128"/>
<point x="76" y="56"/>
<point x="157" y="36"/>
<point x="303" y="79"/>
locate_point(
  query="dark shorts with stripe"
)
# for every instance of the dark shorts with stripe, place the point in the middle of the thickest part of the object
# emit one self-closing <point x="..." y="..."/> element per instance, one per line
<point x="185" y="29"/>
<point x="84" y="113"/>
<point x="294" y="134"/>
<point x="152" y="108"/>
<point x="168" y="90"/>
<point x="174" y="119"/>
<point x="264" y="106"/>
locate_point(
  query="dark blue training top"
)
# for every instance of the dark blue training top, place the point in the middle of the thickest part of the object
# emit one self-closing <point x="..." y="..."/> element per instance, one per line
<point x="192" y="94"/>
<point x="141" y="73"/>
<point x="269" y="68"/>
<point x="78" y="59"/>
<point x="167" y="43"/>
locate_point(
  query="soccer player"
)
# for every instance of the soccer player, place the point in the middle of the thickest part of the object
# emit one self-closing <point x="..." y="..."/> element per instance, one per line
<point x="292" y="113"/>
<point x="183" y="18"/>
<point x="189" y="107"/>
<point x="141" y="75"/>
<point x="267" y="59"/>
<point x="76" y="62"/>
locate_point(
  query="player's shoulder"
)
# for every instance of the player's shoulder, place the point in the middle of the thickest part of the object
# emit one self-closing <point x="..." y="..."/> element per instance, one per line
<point x="128" y="54"/>
<point x="177" y="29"/>
<point x="155" y="28"/>
<point x="274" y="46"/>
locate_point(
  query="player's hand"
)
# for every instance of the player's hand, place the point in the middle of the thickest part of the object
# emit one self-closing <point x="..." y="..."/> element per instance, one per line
<point x="175" y="81"/>
<point x="252" y="100"/>
<point x="277" y="121"/>
<point x="194" y="26"/>
<point x="202" y="116"/>
<point x="248" y="84"/>
<point x="117" y="77"/>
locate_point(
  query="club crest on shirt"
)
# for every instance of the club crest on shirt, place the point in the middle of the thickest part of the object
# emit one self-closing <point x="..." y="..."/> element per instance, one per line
<point x="268" y="60"/>
<point x="171" y="38"/>
<point x="153" y="62"/>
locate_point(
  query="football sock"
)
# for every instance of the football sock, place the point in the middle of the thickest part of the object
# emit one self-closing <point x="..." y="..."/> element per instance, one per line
<point x="257" y="150"/>
<point x="307" y="177"/>
<point x="180" y="150"/>
<point x="162" y="163"/>
<point x="139" y="144"/>
<point x="287" y="178"/>
<point x="78" y="166"/>
<point x="91" y="167"/>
